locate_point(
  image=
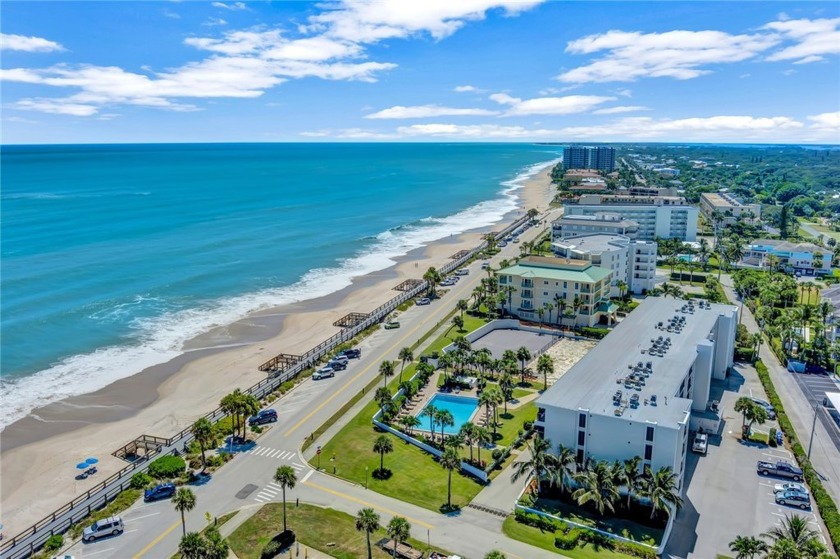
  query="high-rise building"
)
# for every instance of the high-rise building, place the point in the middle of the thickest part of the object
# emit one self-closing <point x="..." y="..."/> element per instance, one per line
<point x="670" y="217"/>
<point x="581" y="157"/>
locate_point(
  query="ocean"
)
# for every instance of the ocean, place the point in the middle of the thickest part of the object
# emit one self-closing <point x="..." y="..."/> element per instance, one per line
<point x="113" y="256"/>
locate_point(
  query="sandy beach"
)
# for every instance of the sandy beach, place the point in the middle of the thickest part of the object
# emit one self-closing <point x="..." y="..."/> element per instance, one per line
<point x="40" y="451"/>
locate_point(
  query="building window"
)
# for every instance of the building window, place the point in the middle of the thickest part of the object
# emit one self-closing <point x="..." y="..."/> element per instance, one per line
<point x="648" y="452"/>
<point x="581" y="438"/>
<point x="649" y="434"/>
<point x="579" y="457"/>
<point x="565" y="285"/>
<point x="540" y="414"/>
<point x="582" y="421"/>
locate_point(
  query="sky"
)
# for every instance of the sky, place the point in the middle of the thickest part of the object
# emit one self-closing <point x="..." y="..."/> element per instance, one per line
<point x="413" y="71"/>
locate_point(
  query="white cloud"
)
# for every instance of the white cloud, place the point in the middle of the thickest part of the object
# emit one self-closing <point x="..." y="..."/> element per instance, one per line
<point x="214" y="21"/>
<point x="474" y="132"/>
<point x="624" y="92"/>
<point x="620" y="109"/>
<point x="465" y="88"/>
<point x="714" y="128"/>
<point x="814" y="39"/>
<point x="569" y="104"/>
<point x="235" y="6"/>
<point x="427" y="111"/>
<point x="829" y="122"/>
<point x="56" y="107"/>
<point x="676" y="54"/>
<point x="27" y="44"/>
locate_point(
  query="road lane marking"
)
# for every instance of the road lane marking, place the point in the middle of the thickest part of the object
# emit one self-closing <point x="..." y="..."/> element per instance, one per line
<point x="144" y="516"/>
<point x="371" y="505"/>
<point x="307" y="476"/>
<point x="100" y="551"/>
<point x="156" y="541"/>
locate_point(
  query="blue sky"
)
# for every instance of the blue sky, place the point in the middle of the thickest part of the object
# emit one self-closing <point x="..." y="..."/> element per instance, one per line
<point x="437" y="70"/>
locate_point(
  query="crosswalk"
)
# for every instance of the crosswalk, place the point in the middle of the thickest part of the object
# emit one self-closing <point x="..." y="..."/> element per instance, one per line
<point x="274" y="453"/>
<point x="268" y="493"/>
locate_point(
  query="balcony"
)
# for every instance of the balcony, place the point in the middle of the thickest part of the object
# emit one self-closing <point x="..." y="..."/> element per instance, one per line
<point x="527" y="294"/>
<point x="527" y="283"/>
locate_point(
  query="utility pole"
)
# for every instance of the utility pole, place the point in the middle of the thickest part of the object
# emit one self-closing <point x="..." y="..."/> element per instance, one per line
<point x="813" y="428"/>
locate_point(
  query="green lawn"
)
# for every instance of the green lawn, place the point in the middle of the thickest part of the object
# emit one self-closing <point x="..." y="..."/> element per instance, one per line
<point x="512" y="422"/>
<point x="326" y="530"/>
<point x="545" y="540"/>
<point x="808" y="299"/>
<point x="470" y="324"/>
<point x="619" y="526"/>
<point x="521" y="392"/>
<point x="826" y="231"/>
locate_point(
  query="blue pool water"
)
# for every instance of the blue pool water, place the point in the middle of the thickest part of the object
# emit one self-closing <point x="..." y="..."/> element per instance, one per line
<point x="461" y="408"/>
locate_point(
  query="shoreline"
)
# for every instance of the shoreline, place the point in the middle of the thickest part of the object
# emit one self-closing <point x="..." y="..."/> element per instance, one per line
<point x="40" y="450"/>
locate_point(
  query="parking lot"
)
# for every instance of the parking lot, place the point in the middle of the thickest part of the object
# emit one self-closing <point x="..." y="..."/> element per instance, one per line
<point x="814" y="387"/>
<point x="498" y="341"/>
<point x="726" y="497"/>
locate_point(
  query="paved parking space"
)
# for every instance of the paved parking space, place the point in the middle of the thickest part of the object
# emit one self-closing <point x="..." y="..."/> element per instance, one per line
<point x="498" y="341"/>
<point x="725" y="496"/>
<point x="814" y="388"/>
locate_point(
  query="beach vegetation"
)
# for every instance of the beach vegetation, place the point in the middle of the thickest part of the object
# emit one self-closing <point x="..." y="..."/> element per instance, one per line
<point x="327" y="530"/>
<point x="209" y="544"/>
<point x="140" y="480"/>
<point x="167" y="467"/>
<point x="54" y="543"/>
<point x="121" y="502"/>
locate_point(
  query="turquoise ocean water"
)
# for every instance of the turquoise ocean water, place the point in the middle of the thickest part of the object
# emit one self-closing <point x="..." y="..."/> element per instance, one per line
<point x="113" y="256"/>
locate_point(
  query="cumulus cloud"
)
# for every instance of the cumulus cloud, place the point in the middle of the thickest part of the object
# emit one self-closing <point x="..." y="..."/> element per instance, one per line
<point x="427" y="111"/>
<point x="27" y="44"/>
<point x="814" y="39"/>
<point x="829" y="122"/>
<point x="465" y="88"/>
<point x="569" y="104"/>
<point x="620" y="109"/>
<point x="331" y="45"/>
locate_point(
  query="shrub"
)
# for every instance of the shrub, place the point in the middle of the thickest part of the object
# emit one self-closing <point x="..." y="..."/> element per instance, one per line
<point x="497" y="453"/>
<point x="635" y="550"/>
<point x="271" y="550"/>
<point x="772" y="436"/>
<point x="167" y="467"/>
<point x="256" y="429"/>
<point x="140" y="480"/>
<point x="597" y="333"/>
<point x="528" y="425"/>
<point x="215" y="461"/>
<point x="744" y="354"/>
<point x="54" y="543"/>
<point x="567" y="540"/>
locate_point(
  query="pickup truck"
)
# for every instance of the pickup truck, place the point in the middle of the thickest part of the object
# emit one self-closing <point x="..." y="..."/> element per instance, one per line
<point x="779" y="469"/>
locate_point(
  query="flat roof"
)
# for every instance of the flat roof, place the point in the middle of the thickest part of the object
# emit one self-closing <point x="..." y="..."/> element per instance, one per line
<point x="717" y="199"/>
<point x="593" y="381"/>
<point x="602" y="218"/>
<point x="788" y="246"/>
<point x="597" y="242"/>
<point x="561" y="269"/>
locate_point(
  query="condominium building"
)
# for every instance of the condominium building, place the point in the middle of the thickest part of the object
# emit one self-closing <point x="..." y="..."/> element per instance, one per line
<point x="633" y="262"/>
<point x="580" y="157"/>
<point x="576" y="288"/>
<point x="602" y="222"/>
<point x="728" y="207"/>
<point x="799" y="258"/>
<point x="644" y="386"/>
<point x="657" y="216"/>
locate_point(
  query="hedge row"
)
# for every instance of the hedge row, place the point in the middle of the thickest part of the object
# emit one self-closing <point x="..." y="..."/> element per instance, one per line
<point x="597" y="333"/>
<point x="825" y="504"/>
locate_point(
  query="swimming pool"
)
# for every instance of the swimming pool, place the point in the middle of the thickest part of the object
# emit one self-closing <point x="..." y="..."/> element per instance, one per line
<point x="461" y="408"/>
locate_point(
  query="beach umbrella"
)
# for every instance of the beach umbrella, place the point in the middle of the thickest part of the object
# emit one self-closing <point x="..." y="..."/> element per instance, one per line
<point x="91" y="461"/>
<point x="82" y="466"/>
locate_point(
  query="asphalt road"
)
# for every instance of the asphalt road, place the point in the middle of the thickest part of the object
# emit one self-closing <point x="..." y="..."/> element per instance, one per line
<point x="154" y="530"/>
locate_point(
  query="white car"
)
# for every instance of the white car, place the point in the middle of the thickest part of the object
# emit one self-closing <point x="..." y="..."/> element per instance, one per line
<point x="790" y="486"/>
<point x="423" y="301"/>
<point x="463" y="272"/>
<point x="701" y="443"/>
<point x="326" y="372"/>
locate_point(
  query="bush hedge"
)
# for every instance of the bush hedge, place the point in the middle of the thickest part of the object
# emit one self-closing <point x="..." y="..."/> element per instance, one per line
<point x="167" y="467"/>
<point x="597" y="333"/>
<point x="825" y="504"/>
<point x="567" y="540"/>
<point x="140" y="480"/>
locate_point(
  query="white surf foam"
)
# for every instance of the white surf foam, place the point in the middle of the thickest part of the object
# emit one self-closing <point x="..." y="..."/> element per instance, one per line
<point x="162" y="338"/>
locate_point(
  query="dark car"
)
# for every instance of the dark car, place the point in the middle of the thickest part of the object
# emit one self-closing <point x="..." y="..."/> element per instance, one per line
<point x="285" y="538"/>
<point x="265" y="416"/>
<point x="337" y="365"/>
<point x="352" y="353"/>
<point x="162" y="491"/>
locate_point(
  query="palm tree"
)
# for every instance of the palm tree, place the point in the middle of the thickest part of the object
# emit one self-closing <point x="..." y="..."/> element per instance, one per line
<point x="661" y="488"/>
<point x="793" y="528"/>
<point x="215" y="546"/>
<point x="482" y="437"/>
<point x="631" y="475"/>
<point x="506" y="386"/>
<point x="367" y="521"/>
<point x="249" y="405"/>
<point x="406" y="356"/>
<point x="491" y="398"/>
<point x="545" y="366"/>
<point x="432" y="276"/>
<point x="523" y="355"/>
<point x="184" y="501"/>
<point x="409" y="422"/>
<point x="595" y="485"/>
<point x="430" y="411"/>
<point x="286" y="478"/>
<point x="457" y="322"/>
<point x="468" y="433"/>
<point x="202" y="430"/>
<point x="191" y="546"/>
<point x="450" y="461"/>
<point x="383" y="446"/>
<point x="622" y="288"/>
<point x="756" y="339"/>
<point x="562" y="466"/>
<point x="444" y="418"/>
<point x="386" y="369"/>
<point x="747" y="547"/>
<point x="230" y="406"/>
<point x="491" y="240"/>
<point x="549" y="307"/>
<point x="399" y="530"/>
<point x="538" y="465"/>
<point x="461" y="305"/>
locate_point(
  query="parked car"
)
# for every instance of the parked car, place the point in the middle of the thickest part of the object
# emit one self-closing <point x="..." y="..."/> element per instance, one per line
<point x="794" y="499"/>
<point x="485" y="265"/>
<point x="501" y="244"/>
<point x="391" y="324"/>
<point x="354" y="353"/>
<point x="422" y="301"/>
<point x="337" y="365"/>
<point x="285" y="538"/>
<point x="162" y="491"/>
<point x="701" y="443"/>
<point x="516" y="239"/>
<point x="463" y="272"/>
<point x="325" y="372"/>
<point x="780" y="469"/>
<point x="111" y="526"/>
<point x="447" y="282"/>
<point x="771" y="411"/>
<point x="790" y="486"/>
<point x="340" y="357"/>
<point x="264" y="416"/>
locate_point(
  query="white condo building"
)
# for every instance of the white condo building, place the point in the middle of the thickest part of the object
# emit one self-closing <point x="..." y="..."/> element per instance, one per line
<point x="602" y="222"/>
<point x="633" y="262"/>
<point x="669" y="217"/>
<point x="644" y="386"/>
